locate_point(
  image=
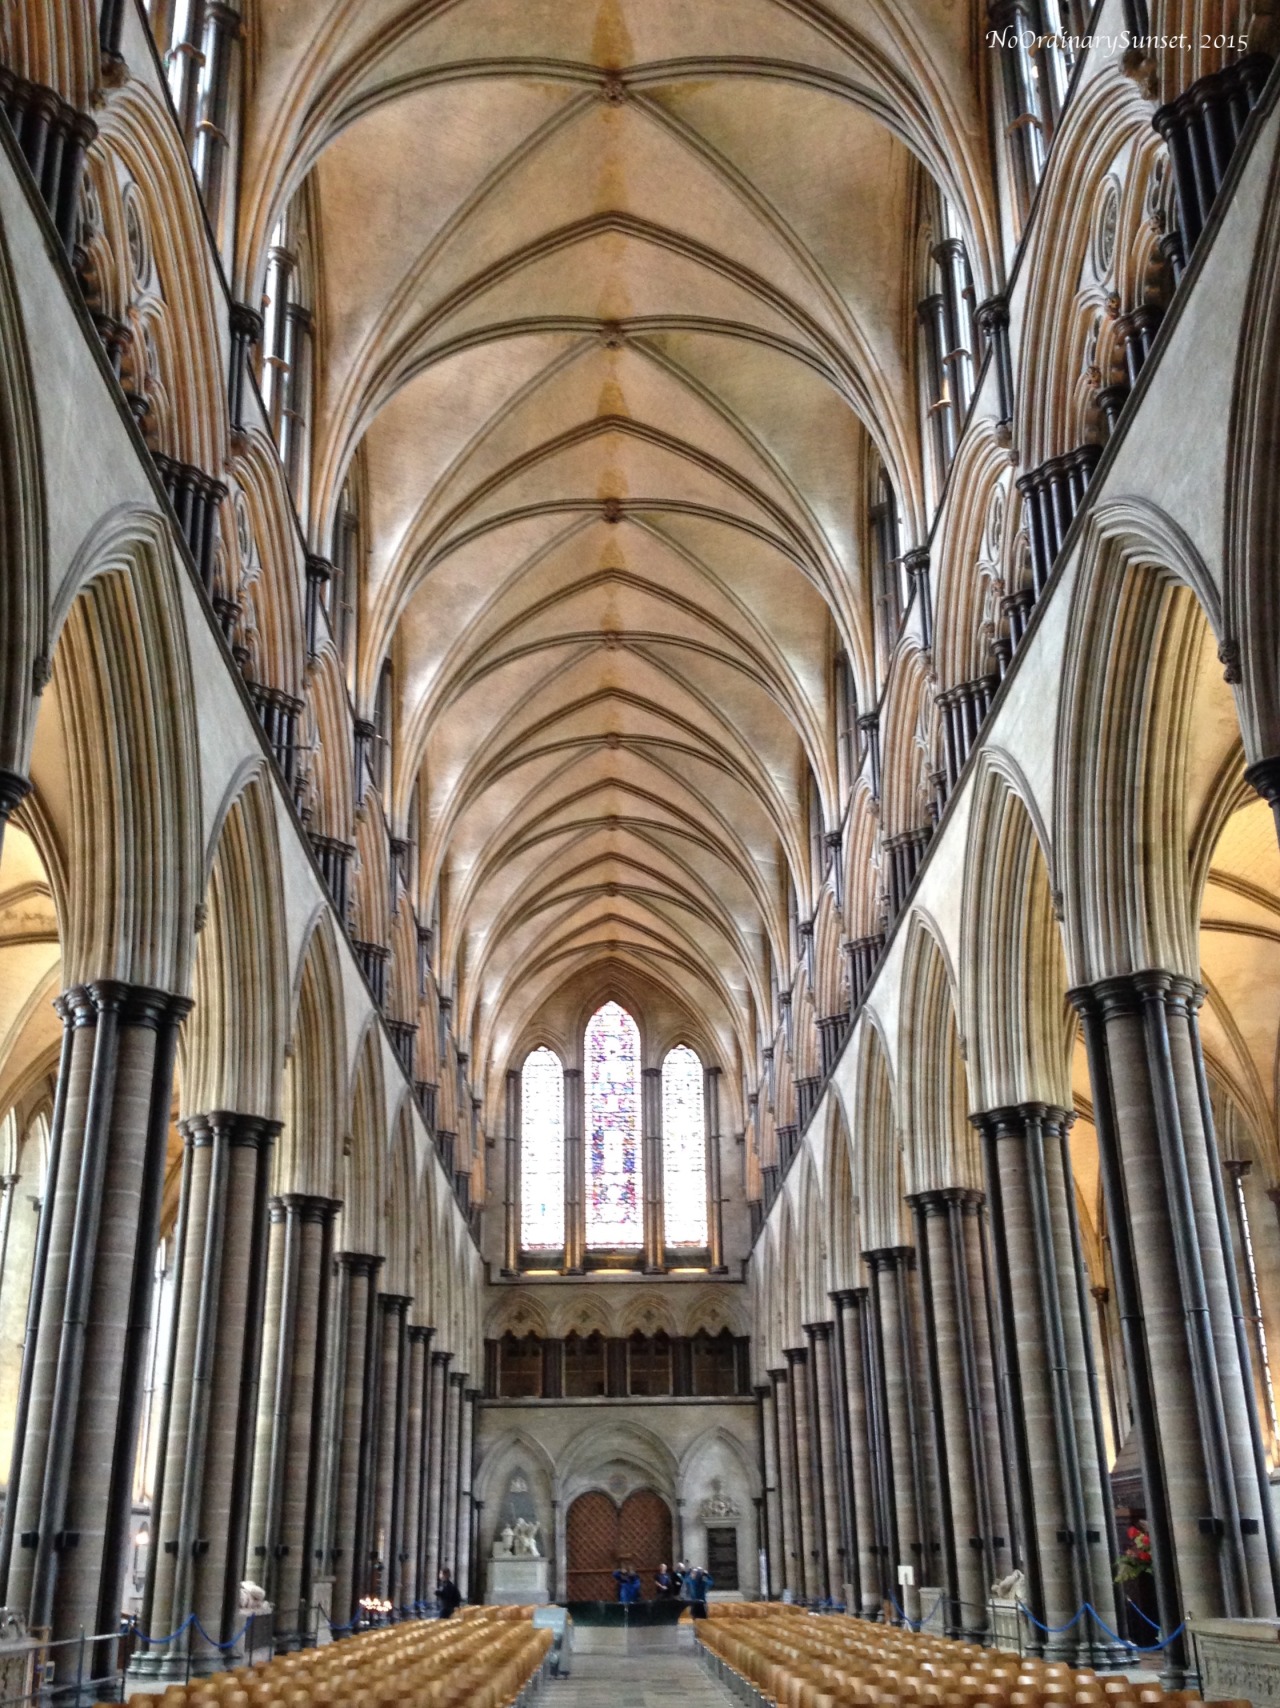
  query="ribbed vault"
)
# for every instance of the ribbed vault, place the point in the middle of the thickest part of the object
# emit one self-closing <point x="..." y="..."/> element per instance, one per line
<point x="616" y="303"/>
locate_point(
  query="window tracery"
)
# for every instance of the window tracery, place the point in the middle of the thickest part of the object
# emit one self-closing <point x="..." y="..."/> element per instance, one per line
<point x="684" y="1149"/>
<point x="542" y="1151"/>
<point x="614" y="1219"/>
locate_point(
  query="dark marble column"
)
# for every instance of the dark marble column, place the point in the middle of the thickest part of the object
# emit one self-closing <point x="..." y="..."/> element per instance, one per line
<point x="803" y="1439"/>
<point x="1051" y="1421"/>
<point x="862" y="1570"/>
<point x="356" y="1413"/>
<point x="440" y="1362"/>
<point x="575" y="1182"/>
<point x="68" y="1513"/>
<point x="449" y="1484"/>
<point x="466" y="1451"/>
<point x="284" y="1514"/>
<point x="906" y="1455"/>
<point x="200" y="1527"/>
<point x="1186" y="1345"/>
<point x="388" y="1506"/>
<point x="791" y="1573"/>
<point x="651" y="1168"/>
<point x="715" y="1186"/>
<point x="769" y="1481"/>
<point x="826" y="1468"/>
<point x="419" y="1357"/>
<point x="511" y="1177"/>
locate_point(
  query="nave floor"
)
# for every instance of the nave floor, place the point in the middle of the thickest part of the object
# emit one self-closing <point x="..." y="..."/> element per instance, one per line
<point x="635" y="1681"/>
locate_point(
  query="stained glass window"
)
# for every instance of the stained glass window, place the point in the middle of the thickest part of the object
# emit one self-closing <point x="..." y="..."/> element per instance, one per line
<point x="614" y="1213"/>
<point x="684" y="1149"/>
<point x="542" y="1152"/>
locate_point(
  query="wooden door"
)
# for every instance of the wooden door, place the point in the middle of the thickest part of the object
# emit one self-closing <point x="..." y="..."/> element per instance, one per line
<point x="600" y="1538"/>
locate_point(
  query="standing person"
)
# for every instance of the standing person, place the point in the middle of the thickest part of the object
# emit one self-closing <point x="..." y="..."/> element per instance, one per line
<point x="681" y="1578"/>
<point x="447" y="1594"/>
<point x="700" y="1581"/>
<point x="628" y="1585"/>
<point x="664" y="1583"/>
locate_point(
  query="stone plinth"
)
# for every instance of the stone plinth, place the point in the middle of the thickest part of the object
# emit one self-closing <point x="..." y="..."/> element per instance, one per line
<point x="1238" y="1658"/>
<point x="518" y="1583"/>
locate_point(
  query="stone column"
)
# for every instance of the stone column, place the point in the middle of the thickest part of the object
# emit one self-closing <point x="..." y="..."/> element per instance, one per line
<point x="388" y="1500"/>
<point x="511" y="1177"/>
<point x="770" y="1479"/>
<point x="791" y="1572"/>
<point x="199" y="1527"/>
<point x="904" y="1451"/>
<point x="1186" y="1346"/>
<point x="715" y="1177"/>
<point x="651" y="1168"/>
<point x="575" y="1179"/>
<point x="284" y="1515"/>
<point x="797" y="1358"/>
<point x="412" y="1593"/>
<point x="863" y="1567"/>
<point x="826" y="1481"/>
<point x="466" y="1449"/>
<point x="67" y="1518"/>
<point x="956" y="1419"/>
<point x="355" y="1411"/>
<point x="435" y="1467"/>
<point x="449" y="1481"/>
<point x="1050" y="1409"/>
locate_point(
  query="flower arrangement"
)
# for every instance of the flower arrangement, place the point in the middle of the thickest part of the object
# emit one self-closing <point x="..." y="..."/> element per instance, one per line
<point x="1135" y="1561"/>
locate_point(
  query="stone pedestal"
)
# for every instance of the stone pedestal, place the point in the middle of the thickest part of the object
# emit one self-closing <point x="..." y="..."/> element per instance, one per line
<point x="1009" y="1626"/>
<point x="1238" y="1658"/>
<point x="518" y="1583"/>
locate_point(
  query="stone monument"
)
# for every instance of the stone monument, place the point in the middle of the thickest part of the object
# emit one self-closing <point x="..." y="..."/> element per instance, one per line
<point x="518" y="1574"/>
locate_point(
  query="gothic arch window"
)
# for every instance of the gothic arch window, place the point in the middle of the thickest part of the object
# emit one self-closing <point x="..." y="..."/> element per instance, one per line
<point x="542" y="1151"/>
<point x="684" y="1150"/>
<point x="612" y="1058"/>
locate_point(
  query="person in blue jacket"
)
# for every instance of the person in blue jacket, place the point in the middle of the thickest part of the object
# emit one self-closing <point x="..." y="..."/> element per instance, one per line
<point x="628" y="1585"/>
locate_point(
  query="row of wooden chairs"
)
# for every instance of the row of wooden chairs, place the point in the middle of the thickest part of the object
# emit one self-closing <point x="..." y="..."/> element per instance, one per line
<point x="798" y="1660"/>
<point x="484" y="1661"/>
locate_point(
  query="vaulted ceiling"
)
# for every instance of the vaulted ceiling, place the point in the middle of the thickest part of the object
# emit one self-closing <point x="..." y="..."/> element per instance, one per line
<point x="615" y="297"/>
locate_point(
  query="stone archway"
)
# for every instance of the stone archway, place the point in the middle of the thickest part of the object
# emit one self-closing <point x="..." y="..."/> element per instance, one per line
<point x="602" y="1536"/>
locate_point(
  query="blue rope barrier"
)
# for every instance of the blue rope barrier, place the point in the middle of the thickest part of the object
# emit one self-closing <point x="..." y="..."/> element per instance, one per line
<point x="917" y="1624"/>
<point x="1125" y="1642"/>
<point x="160" y="1641"/>
<point x="1145" y="1618"/>
<point x="1141" y="1648"/>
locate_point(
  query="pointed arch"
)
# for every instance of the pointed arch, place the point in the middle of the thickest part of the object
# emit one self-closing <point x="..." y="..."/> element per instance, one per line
<point x="233" y="1044"/>
<point x="1013" y="972"/>
<point x="876" y="1150"/>
<point x="119" y="716"/>
<point x="1141" y="687"/>
<point x="315" y="1089"/>
<point x="939" y="1147"/>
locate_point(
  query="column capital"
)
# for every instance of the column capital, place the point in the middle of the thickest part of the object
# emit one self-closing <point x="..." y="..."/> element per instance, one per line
<point x="245" y="322"/>
<point x="14" y="789"/>
<point x="249" y="1132"/>
<point x="992" y="314"/>
<point x="473" y="1394"/>
<point x="441" y="1359"/>
<point x="795" y="1355"/>
<point x="394" y="1304"/>
<point x="420" y="1333"/>
<point x="306" y="1206"/>
<point x="939" y="1200"/>
<point x="457" y="1378"/>
<point x="1126" y="993"/>
<point x="819" y="1331"/>
<point x="890" y="1257"/>
<point x="359" y="1262"/>
<point x="763" y="1391"/>
<point x="777" y="1374"/>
